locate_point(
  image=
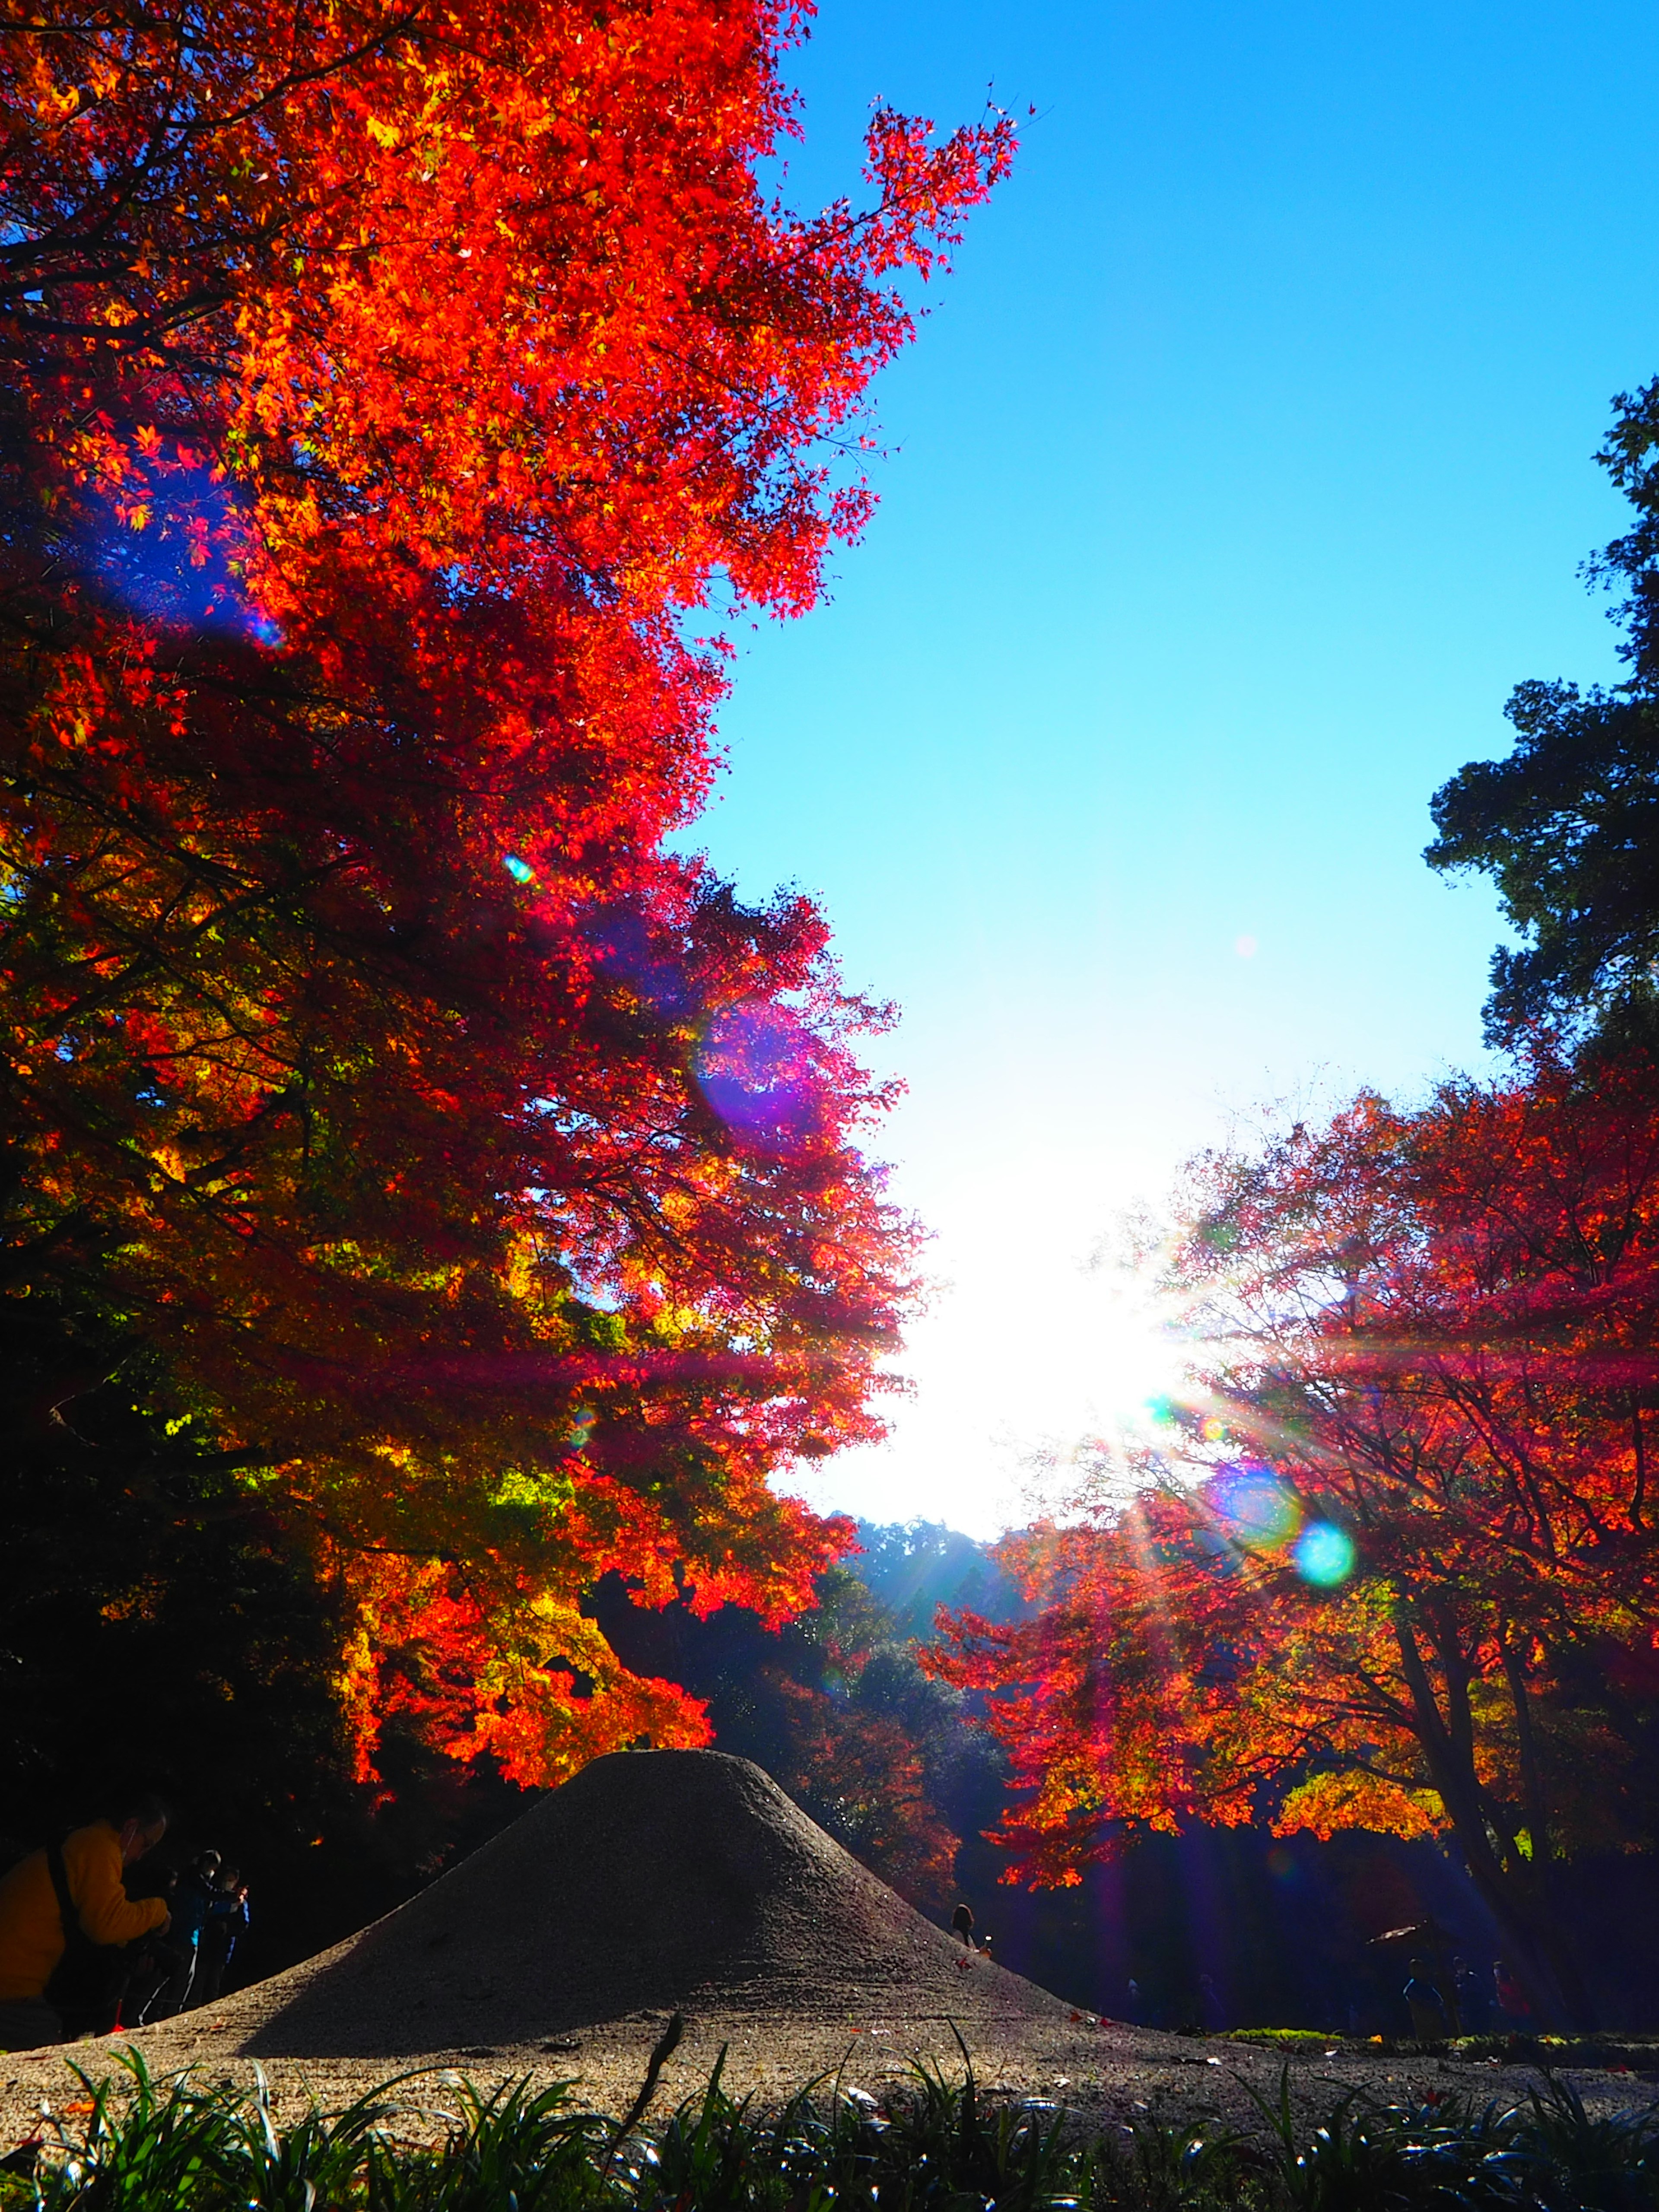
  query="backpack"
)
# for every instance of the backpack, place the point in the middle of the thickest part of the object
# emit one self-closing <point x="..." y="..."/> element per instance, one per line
<point x="87" y="1980"/>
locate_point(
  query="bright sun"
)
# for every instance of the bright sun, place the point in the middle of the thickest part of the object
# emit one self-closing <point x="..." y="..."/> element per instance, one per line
<point x="1140" y="1362"/>
<point x="1115" y="1363"/>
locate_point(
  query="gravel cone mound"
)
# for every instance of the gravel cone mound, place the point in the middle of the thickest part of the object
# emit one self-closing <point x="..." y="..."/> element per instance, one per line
<point x="651" y="1880"/>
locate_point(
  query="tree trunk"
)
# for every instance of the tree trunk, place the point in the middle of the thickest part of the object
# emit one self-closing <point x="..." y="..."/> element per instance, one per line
<point x="1544" y="1961"/>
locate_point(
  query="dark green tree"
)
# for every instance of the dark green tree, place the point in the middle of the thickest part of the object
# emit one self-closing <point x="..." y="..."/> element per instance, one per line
<point x="1567" y="826"/>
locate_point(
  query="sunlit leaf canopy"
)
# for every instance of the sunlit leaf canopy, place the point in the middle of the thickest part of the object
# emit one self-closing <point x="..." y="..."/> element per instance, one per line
<point x="384" y="390"/>
<point x="1402" y="1571"/>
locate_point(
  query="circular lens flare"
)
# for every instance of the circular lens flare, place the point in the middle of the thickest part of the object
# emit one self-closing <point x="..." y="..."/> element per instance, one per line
<point x="1324" y="1555"/>
<point x="1255" y="1507"/>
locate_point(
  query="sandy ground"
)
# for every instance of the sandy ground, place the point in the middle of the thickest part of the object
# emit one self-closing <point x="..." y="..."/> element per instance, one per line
<point x="1100" y="2072"/>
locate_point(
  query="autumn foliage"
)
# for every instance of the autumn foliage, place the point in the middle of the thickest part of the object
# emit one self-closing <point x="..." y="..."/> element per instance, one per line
<point x="1402" y="1571"/>
<point x="385" y="391"/>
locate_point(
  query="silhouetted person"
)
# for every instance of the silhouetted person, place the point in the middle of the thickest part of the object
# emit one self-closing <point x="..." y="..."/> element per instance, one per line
<point x="64" y="1915"/>
<point x="1473" y="1998"/>
<point x="1424" y="2002"/>
<point x="1511" y="1997"/>
<point x="193" y="1902"/>
<point x="227" y="1917"/>
<point x="962" y="1923"/>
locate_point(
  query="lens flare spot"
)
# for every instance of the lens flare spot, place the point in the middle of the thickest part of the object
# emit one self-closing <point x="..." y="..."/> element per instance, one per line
<point x="755" y="1066"/>
<point x="173" y="546"/>
<point x="1255" y="1507"/>
<point x="1324" y="1554"/>
<point x="521" y="870"/>
<point x="1245" y="947"/>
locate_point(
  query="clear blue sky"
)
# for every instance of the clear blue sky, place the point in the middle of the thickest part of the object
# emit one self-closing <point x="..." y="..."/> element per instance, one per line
<point x="1241" y="470"/>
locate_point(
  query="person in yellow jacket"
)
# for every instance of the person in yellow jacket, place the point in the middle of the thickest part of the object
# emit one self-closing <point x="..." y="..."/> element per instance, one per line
<point x="32" y="1936"/>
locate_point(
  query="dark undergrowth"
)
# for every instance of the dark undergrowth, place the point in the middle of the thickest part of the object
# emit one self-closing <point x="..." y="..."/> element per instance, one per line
<point x="1616" y="2054"/>
<point x="933" y="2145"/>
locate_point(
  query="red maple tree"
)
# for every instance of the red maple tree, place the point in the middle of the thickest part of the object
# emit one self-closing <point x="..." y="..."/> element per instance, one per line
<point x="384" y="391"/>
<point x="1416" y="1588"/>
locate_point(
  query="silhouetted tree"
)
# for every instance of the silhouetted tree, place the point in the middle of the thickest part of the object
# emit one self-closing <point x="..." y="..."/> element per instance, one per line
<point x="1567" y="825"/>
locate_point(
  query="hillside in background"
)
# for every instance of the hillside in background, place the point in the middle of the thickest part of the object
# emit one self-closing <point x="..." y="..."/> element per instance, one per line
<point x="913" y="1567"/>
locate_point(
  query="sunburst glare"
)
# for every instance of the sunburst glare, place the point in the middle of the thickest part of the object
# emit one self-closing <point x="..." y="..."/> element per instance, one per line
<point x="1142" y="1365"/>
<point x="1138" y="1363"/>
